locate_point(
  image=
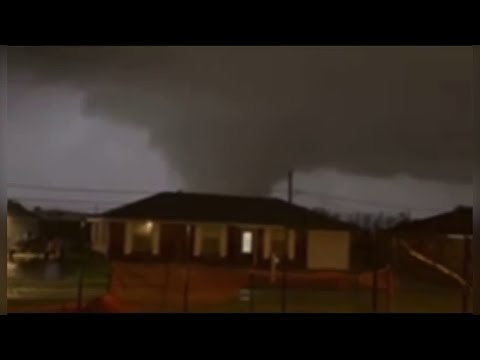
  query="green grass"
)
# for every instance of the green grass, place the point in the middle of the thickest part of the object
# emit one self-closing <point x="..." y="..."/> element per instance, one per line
<point x="427" y="300"/>
<point x="32" y="289"/>
<point x="270" y="301"/>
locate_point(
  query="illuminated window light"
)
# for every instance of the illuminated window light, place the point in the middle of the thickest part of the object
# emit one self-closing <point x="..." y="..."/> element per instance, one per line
<point x="247" y="242"/>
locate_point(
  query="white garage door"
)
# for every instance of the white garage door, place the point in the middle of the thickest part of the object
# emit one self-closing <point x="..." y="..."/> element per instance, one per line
<point x="328" y="250"/>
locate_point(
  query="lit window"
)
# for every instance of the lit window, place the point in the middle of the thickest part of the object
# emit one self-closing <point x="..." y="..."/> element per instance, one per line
<point x="247" y="239"/>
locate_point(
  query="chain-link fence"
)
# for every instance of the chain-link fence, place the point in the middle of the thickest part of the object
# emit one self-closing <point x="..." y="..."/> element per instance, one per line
<point x="386" y="274"/>
<point x="180" y="287"/>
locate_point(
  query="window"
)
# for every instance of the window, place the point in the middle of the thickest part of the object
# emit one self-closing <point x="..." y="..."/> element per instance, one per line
<point x="210" y="246"/>
<point x="211" y="236"/>
<point x="247" y="242"/>
<point x="142" y="237"/>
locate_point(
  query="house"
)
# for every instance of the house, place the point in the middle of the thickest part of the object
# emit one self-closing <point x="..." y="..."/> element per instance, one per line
<point x="455" y="223"/>
<point x="65" y="225"/>
<point x="444" y="238"/>
<point x="224" y="230"/>
<point x="21" y="223"/>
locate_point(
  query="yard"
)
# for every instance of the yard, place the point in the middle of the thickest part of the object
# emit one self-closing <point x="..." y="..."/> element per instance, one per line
<point x="431" y="301"/>
<point x="318" y="301"/>
<point x="141" y="288"/>
<point x="219" y="290"/>
<point x="38" y="286"/>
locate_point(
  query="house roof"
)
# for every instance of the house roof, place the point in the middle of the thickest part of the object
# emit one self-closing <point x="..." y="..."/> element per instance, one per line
<point x="14" y="208"/>
<point x="457" y="221"/>
<point x="61" y="215"/>
<point x="196" y="207"/>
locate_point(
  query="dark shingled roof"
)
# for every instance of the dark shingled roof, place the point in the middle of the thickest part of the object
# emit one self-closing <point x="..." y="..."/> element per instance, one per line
<point x="457" y="221"/>
<point x="14" y="208"/>
<point x="196" y="207"/>
<point x="55" y="214"/>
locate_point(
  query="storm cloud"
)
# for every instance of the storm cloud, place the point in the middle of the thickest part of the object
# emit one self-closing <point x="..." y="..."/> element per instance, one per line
<point x="235" y="119"/>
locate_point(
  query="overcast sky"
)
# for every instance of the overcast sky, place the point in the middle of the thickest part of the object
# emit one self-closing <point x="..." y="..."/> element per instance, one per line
<point x="378" y="128"/>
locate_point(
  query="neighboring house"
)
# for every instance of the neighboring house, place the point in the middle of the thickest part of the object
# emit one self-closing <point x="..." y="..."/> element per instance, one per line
<point x="444" y="238"/>
<point x="218" y="229"/>
<point x="458" y="222"/>
<point x="20" y="222"/>
<point x="64" y="225"/>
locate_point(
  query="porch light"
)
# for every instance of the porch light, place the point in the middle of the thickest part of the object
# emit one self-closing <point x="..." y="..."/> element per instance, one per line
<point x="149" y="226"/>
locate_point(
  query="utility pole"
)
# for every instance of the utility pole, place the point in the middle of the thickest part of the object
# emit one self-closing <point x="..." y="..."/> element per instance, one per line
<point x="290" y="186"/>
<point x="285" y="245"/>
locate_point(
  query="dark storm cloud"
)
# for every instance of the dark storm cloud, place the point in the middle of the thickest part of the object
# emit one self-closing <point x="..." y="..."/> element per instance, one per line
<point x="51" y="143"/>
<point x="235" y="119"/>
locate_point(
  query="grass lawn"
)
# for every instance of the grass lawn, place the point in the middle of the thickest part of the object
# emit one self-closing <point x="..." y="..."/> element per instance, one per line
<point x="408" y="300"/>
<point x="28" y="288"/>
<point x="270" y="301"/>
<point x="46" y="300"/>
<point x="37" y="294"/>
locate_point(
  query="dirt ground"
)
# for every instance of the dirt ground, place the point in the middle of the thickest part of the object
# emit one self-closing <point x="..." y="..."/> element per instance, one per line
<point x="177" y="287"/>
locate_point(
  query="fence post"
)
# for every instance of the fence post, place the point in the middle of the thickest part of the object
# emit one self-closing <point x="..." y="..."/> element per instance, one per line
<point x="252" y="270"/>
<point x="466" y="274"/>
<point x="388" y="288"/>
<point x="82" y="266"/>
<point x="395" y="274"/>
<point x="284" y="271"/>
<point x="186" y="290"/>
<point x="374" y="262"/>
<point x="375" y="290"/>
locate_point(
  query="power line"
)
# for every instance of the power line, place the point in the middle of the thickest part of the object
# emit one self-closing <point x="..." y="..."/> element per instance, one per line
<point x="31" y="199"/>
<point x="79" y="189"/>
<point x="70" y="203"/>
<point x="359" y="201"/>
<point x="311" y="193"/>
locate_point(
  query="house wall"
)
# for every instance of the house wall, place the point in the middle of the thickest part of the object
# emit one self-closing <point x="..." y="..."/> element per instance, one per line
<point x="170" y="241"/>
<point x="18" y="226"/>
<point x="174" y="241"/>
<point x="294" y="247"/>
<point x="219" y="231"/>
<point x="99" y="235"/>
<point x="329" y="250"/>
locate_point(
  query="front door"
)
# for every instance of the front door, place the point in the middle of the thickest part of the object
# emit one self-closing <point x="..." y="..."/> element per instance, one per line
<point x="174" y="241"/>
